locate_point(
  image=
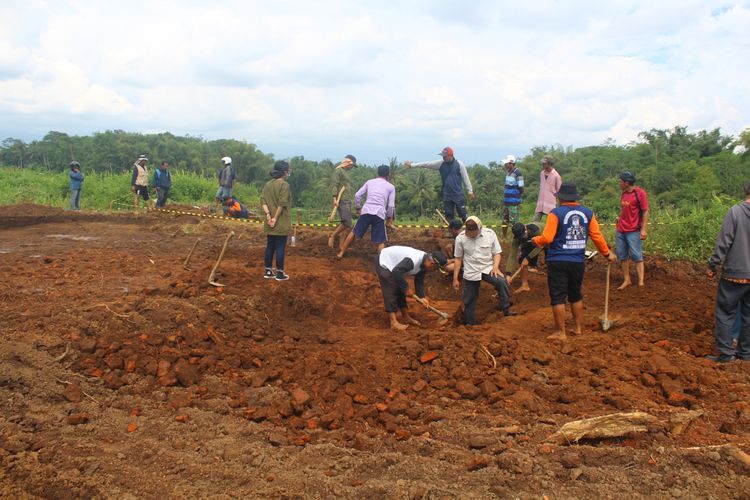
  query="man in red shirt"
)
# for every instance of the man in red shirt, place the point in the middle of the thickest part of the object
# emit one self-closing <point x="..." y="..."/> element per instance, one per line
<point x="631" y="228"/>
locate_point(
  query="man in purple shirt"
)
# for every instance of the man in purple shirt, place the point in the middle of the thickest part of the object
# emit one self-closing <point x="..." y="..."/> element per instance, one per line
<point x="377" y="211"/>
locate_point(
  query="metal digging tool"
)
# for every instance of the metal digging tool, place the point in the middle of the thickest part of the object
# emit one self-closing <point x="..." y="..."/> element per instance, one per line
<point x="187" y="259"/>
<point x="606" y="323"/>
<point x="443" y="316"/>
<point x="218" y="261"/>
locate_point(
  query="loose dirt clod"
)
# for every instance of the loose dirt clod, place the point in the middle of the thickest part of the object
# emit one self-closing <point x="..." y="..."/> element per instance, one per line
<point x="607" y="426"/>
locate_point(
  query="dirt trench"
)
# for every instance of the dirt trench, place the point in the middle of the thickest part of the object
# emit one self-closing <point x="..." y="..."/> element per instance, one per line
<point x="124" y="374"/>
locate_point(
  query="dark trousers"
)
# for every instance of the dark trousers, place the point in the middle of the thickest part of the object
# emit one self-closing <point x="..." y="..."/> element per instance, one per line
<point x="393" y="297"/>
<point x="275" y="245"/>
<point x="75" y="198"/>
<point x="471" y="295"/>
<point x="732" y="299"/>
<point x="451" y="205"/>
<point x="161" y="196"/>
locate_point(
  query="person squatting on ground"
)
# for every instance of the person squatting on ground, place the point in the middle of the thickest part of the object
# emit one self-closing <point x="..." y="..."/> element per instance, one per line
<point x="275" y="200"/>
<point x="139" y="180"/>
<point x="226" y="179"/>
<point x="631" y="228"/>
<point x="392" y="266"/>
<point x="377" y="211"/>
<point x="340" y="180"/>
<point x="76" y="183"/>
<point x="733" y="296"/>
<point x="512" y="194"/>
<point x="162" y="183"/>
<point x="478" y="249"/>
<point x="527" y="253"/>
<point x="565" y="233"/>
<point x="454" y="177"/>
<point x="233" y="208"/>
<point x="549" y="185"/>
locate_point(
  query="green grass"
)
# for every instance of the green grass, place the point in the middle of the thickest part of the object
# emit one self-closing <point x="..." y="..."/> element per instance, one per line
<point x="673" y="234"/>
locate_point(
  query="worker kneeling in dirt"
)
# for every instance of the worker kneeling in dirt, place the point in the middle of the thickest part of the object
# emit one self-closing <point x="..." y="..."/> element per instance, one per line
<point x="392" y="265"/>
<point x="233" y="208"/>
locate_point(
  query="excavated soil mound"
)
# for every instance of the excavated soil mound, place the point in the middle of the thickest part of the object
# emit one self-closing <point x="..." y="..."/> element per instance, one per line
<point x="124" y="373"/>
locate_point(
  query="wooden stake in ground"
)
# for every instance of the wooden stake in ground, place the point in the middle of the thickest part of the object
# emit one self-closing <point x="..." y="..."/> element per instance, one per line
<point x="187" y="259"/>
<point x="218" y="261"/>
<point x="338" y="200"/>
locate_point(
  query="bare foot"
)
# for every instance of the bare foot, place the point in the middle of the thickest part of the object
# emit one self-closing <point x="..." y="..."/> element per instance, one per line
<point x="339" y="255"/>
<point x="557" y="336"/>
<point x="330" y="241"/>
<point x="640" y="284"/>
<point x="624" y="285"/>
<point x="399" y="327"/>
<point x="524" y="288"/>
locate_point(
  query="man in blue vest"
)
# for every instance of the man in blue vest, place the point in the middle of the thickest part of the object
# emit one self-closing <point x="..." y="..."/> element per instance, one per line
<point x="454" y="177"/>
<point x="565" y="234"/>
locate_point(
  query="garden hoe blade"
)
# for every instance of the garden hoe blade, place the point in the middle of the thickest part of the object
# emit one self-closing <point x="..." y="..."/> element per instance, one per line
<point x="218" y="261"/>
<point x="443" y="316"/>
<point x="606" y="323"/>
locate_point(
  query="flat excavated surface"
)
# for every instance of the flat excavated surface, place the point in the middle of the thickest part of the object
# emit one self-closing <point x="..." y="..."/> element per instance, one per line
<point x="170" y="387"/>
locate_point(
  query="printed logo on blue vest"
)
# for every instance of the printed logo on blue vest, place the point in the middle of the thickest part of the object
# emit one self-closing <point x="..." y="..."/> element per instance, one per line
<point x="576" y="230"/>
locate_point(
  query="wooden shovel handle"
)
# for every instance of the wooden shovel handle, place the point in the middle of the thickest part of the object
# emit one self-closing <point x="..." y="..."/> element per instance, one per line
<point x="338" y="200"/>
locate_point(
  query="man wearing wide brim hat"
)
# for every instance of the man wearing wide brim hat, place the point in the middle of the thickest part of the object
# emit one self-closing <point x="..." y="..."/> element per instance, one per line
<point x="567" y="230"/>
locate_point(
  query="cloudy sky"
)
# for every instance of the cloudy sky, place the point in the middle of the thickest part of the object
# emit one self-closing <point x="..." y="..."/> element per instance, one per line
<point x="379" y="79"/>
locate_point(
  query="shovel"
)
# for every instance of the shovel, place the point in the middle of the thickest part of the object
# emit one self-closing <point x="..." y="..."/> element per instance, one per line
<point x="218" y="261"/>
<point x="606" y="323"/>
<point x="443" y="316"/>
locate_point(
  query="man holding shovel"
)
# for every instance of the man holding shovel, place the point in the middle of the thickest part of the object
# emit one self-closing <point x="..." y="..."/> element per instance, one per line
<point x="392" y="265"/>
<point x="478" y="249"/>
<point x="341" y="189"/>
<point x="565" y="234"/>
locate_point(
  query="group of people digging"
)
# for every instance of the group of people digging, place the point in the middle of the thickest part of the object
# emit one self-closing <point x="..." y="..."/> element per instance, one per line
<point x="475" y="254"/>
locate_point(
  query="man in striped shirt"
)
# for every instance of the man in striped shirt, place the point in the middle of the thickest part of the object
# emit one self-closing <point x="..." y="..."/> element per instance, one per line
<point x="513" y="192"/>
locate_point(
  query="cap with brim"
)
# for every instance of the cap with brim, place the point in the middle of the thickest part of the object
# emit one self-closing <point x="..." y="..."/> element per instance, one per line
<point x="568" y="192"/>
<point x="447" y="151"/>
<point x="441" y="260"/>
<point x="351" y="158"/>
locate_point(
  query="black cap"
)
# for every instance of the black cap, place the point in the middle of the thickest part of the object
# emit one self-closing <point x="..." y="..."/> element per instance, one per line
<point x="628" y="177"/>
<point x="440" y="259"/>
<point x="352" y="158"/>
<point x="518" y="229"/>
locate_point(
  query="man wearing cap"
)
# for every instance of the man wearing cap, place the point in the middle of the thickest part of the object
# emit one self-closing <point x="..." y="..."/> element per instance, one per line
<point x="631" y="228"/>
<point x="565" y="234"/>
<point x="549" y="185"/>
<point x="139" y="180"/>
<point x="226" y="179"/>
<point x="276" y="199"/>
<point x="512" y="194"/>
<point x="392" y="266"/>
<point x="340" y="183"/>
<point x="454" y="177"/>
<point x="377" y="211"/>
<point x="478" y="249"/>
<point x="76" y="183"/>
<point x="733" y="297"/>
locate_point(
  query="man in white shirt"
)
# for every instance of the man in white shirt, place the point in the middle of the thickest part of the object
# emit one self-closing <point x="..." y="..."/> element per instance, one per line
<point x="479" y="250"/>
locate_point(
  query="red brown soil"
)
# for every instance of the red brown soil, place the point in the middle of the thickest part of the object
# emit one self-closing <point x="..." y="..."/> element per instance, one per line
<point x="171" y="387"/>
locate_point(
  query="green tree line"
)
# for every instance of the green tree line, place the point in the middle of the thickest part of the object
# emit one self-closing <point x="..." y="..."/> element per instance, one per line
<point x="682" y="171"/>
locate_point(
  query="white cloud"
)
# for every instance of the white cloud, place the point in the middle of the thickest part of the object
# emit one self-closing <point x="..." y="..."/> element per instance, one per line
<point x="386" y="77"/>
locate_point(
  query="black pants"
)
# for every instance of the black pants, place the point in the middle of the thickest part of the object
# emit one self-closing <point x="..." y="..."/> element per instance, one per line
<point x="732" y="299"/>
<point x="471" y="295"/>
<point x="393" y="297"/>
<point x="275" y="245"/>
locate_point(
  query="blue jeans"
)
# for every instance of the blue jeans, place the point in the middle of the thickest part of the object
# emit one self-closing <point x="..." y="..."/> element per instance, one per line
<point x="75" y="199"/>
<point x="451" y="205"/>
<point x="275" y="245"/>
<point x="629" y="244"/>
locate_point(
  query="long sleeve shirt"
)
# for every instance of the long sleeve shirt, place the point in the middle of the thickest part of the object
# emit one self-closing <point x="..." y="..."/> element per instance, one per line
<point x="381" y="198"/>
<point x="733" y="243"/>
<point x="436" y="164"/>
<point x="549" y="185"/>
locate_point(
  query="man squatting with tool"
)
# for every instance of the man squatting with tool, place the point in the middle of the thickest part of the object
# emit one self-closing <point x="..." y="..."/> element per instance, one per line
<point x="392" y="265"/>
